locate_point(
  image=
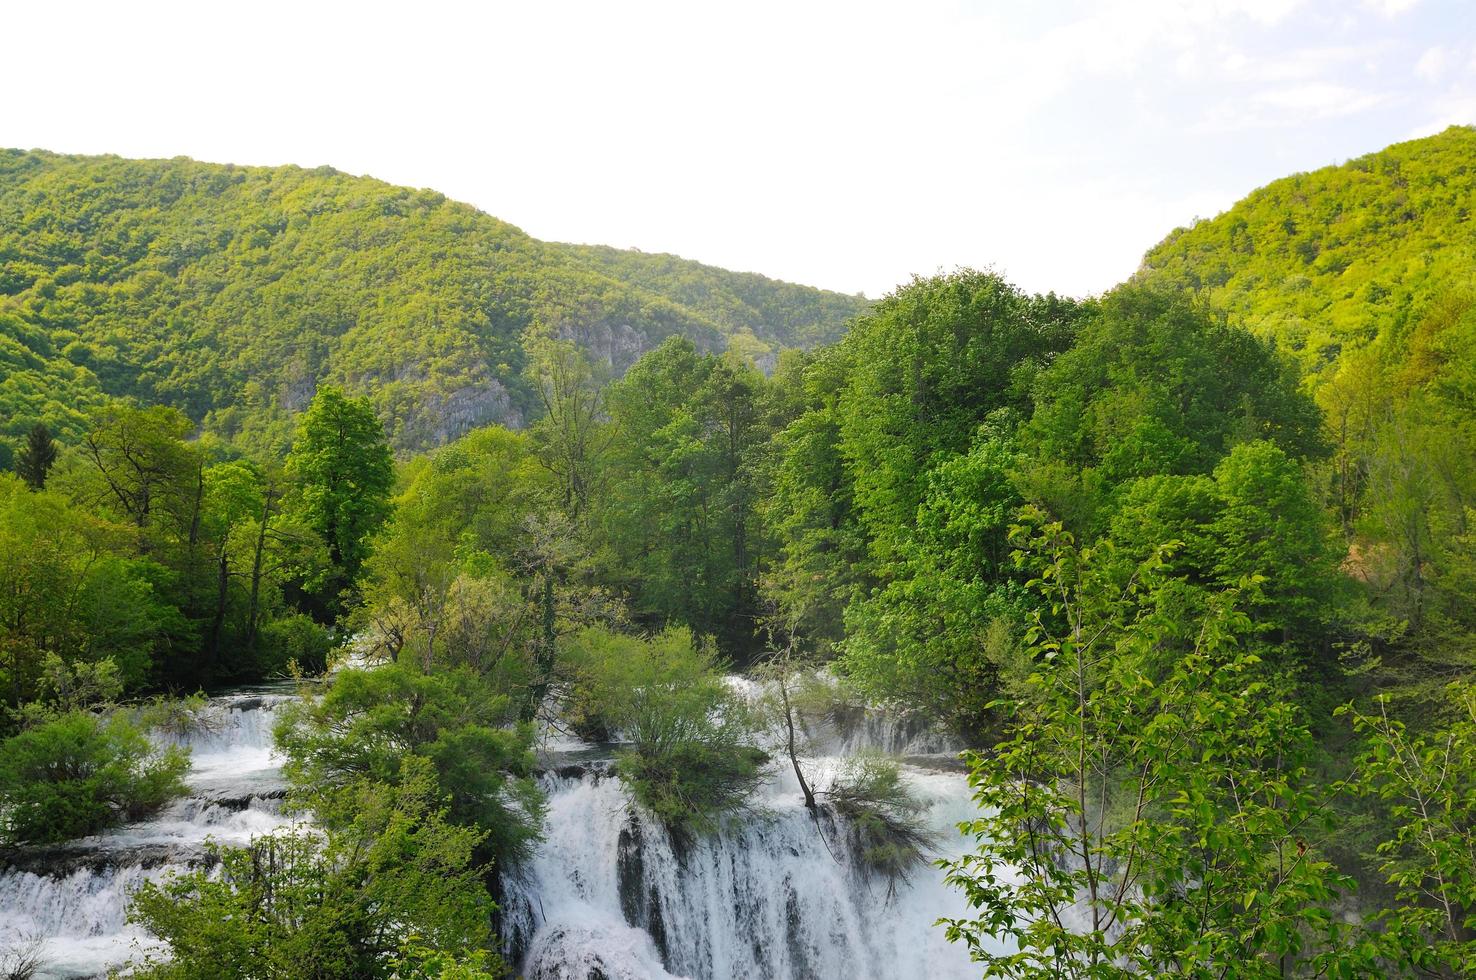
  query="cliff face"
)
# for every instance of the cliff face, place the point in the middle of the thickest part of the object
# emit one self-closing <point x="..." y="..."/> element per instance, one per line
<point x="232" y="292"/>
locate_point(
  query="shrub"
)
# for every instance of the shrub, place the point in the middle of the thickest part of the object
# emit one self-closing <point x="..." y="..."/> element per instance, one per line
<point x="691" y="759"/>
<point x="79" y="773"/>
<point x="342" y="904"/>
<point x="293" y="639"/>
<point x="375" y="723"/>
<point x="885" y="819"/>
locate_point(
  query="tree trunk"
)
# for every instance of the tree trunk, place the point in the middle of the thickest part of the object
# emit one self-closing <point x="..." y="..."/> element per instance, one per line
<point x="793" y="754"/>
<point x="217" y="623"/>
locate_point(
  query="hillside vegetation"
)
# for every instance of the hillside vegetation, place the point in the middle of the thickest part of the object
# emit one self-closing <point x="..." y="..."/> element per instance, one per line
<point x="1208" y="609"/>
<point x="232" y="292"/>
<point x="1364" y="274"/>
<point x="1329" y="261"/>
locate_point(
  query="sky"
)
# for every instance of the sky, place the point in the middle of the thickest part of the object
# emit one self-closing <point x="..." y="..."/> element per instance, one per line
<point x="846" y="145"/>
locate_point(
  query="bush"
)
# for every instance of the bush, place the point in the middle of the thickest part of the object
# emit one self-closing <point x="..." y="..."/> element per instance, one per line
<point x="884" y="818"/>
<point x="345" y="904"/>
<point x="293" y="639"/>
<point x="79" y="773"/>
<point x="691" y="759"/>
<point x="375" y="723"/>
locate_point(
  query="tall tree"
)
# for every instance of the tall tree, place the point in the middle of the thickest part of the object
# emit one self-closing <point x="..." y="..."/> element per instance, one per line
<point x="33" y="462"/>
<point x="572" y="436"/>
<point x="152" y="477"/>
<point x="1150" y="809"/>
<point x="344" y="472"/>
<point x="678" y="514"/>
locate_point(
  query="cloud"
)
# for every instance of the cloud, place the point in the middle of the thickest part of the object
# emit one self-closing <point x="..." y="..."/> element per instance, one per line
<point x="1450" y="110"/>
<point x="1321" y="100"/>
<point x="1299" y="64"/>
<point x="1390" y="8"/>
<point x="1432" y="64"/>
<point x="1280" y="108"/>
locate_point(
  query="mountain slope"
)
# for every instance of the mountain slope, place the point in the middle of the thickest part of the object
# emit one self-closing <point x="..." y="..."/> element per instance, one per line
<point x="232" y="292"/>
<point x="1328" y="261"/>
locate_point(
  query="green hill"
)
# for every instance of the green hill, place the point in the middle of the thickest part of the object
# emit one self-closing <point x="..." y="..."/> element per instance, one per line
<point x="231" y="292"/>
<point x="1328" y="261"/>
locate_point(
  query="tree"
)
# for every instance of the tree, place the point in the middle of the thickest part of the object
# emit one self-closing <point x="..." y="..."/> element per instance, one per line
<point x="678" y="511"/>
<point x="378" y="722"/>
<point x="1426" y="784"/>
<point x="573" y="434"/>
<point x="395" y="876"/>
<point x="343" y="472"/>
<point x="1150" y="809"/>
<point x="1156" y="385"/>
<point x="885" y="820"/>
<point x="1258" y="516"/>
<point x="691" y="761"/>
<point x="149" y="475"/>
<point x="929" y="364"/>
<point x="820" y="558"/>
<point x="926" y="636"/>
<point x="69" y="587"/>
<point x="33" y="462"/>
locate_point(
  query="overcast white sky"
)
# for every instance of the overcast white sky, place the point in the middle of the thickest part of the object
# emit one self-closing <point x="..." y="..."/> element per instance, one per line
<point x="845" y="145"/>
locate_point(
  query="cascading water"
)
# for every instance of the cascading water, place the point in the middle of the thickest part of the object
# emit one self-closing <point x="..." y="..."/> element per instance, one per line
<point x="778" y="894"/>
<point x="69" y="903"/>
<point x="608" y="895"/>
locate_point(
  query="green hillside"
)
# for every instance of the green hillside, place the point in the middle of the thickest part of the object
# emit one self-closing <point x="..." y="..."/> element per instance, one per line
<point x="231" y="292"/>
<point x="1365" y="272"/>
<point x="1327" y="261"/>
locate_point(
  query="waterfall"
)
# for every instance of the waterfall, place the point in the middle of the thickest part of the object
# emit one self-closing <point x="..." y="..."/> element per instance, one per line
<point x="69" y="902"/>
<point x="778" y="893"/>
<point x="608" y="894"/>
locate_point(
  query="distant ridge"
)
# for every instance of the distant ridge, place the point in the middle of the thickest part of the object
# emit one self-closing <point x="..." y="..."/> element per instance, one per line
<point x="231" y="292"/>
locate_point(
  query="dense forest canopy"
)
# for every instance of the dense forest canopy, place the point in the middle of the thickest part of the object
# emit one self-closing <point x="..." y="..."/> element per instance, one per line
<point x="1328" y="262"/>
<point x="232" y="292"/>
<point x="1193" y="559"/>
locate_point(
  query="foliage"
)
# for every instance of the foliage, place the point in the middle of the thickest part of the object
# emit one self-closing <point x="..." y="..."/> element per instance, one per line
<point x="677" y="517"/>
<point x="1427" y="783"/>
<point x="1157" y="385"/>
<point x="343" y="473"/>
<point x="1257" y="516"/>
<point x="758" y="314"/>
<point x="79" y="767"/>
<point x="298" y="902"/>
<point x="883" y="816"/>
<point x="922" y="638"/>
<point x="891" y="485"/>
<point x="376" y="723"/>
<point x="165" y="553"/>
<point x="33" y="460"/>
<point x="415" y="962"/>
<point x="819" y="550"/>
<point x="932" y="362"/>
<point x="293" y="640"/>
<point x="65" y="590"/>
<point x="1327" y="261"/>
<point x="1150" y="807"/>
<point x="231" y="292"/>
<point x="691" y="762"/>
<point x="572" y="434"/>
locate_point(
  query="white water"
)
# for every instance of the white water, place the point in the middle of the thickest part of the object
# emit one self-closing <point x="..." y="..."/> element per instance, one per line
<point x="607" y="895"/>
<point x="69" y="903"/>
<point x="778" y="894"/>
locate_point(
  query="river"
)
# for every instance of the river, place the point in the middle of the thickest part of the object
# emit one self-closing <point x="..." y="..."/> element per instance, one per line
<point x="606" y="896"/>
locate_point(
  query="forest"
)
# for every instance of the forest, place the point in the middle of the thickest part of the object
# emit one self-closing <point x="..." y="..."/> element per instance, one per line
<point x="1189" y="567"/>
<point x="230" y="292"/>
